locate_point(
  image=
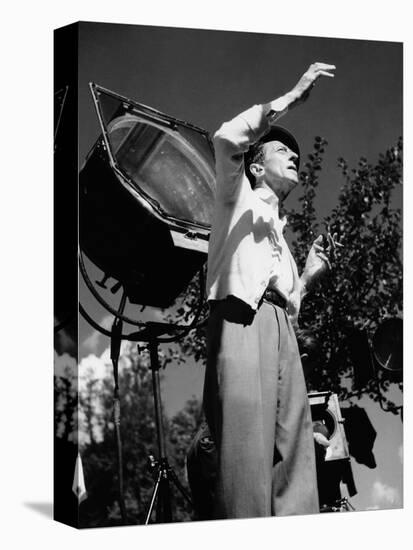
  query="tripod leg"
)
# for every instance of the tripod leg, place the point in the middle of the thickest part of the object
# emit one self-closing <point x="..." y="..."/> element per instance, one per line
<point x="154" y="494"/>
<point x="179" y="486"/>
<point x="164" y="508"/>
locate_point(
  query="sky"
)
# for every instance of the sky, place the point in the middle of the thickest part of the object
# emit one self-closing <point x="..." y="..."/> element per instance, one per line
<point x="207" y="77"/>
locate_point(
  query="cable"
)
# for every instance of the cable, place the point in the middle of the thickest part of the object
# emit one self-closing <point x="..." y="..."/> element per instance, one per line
<point x="129" y="320"/>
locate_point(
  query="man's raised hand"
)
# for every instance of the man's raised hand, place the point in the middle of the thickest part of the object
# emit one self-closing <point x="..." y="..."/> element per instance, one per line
<point x="302" y="89"/>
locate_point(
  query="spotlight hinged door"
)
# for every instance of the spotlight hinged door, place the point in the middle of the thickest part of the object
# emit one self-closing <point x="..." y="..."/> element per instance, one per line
<point x="168" y="162"/>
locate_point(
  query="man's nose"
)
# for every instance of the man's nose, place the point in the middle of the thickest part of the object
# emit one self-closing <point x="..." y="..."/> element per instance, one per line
<point x="293" y="157"/>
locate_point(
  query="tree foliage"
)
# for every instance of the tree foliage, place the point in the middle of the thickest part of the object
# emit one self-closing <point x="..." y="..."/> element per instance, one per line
<point x="364" y="286"/>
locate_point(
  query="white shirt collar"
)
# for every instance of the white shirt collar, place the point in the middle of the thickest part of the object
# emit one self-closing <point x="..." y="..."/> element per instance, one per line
<point x="268" y="196"/>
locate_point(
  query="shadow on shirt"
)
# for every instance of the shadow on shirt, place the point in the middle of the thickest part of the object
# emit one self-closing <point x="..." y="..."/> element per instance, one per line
<point x="260" y="230"/>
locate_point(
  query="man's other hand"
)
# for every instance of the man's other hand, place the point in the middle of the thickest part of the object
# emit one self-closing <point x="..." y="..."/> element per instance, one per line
<point x="318" y="260"/>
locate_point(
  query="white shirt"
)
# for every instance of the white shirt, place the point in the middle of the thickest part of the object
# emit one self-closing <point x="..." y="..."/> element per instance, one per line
<point x="247" y="249"/>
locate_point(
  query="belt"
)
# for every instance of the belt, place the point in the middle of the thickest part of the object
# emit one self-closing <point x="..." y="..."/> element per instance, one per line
<point x="275" y="298"/>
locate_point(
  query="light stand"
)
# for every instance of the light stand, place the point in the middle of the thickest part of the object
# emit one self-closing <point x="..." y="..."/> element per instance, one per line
<point x="150" y="335"/>
<point x="162" y="471"/>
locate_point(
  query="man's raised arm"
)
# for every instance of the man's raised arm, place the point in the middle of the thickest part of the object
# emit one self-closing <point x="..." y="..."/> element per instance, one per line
<point x="234" y="138"/>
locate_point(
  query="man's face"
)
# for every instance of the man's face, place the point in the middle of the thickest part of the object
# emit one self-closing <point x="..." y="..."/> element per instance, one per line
<point x="280" y="168"/>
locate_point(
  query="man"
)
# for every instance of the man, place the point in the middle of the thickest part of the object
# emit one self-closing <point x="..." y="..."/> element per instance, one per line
<point x="255" y="398"/>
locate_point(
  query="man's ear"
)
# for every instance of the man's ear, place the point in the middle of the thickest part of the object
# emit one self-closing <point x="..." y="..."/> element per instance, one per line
<point x="256" y="169"/>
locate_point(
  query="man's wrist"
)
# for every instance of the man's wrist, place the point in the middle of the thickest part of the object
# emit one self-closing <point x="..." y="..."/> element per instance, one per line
<point x="278" y="107"/>
<point x="292" y="97"/>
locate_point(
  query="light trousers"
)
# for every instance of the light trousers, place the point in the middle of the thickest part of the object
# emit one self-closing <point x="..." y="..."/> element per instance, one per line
<point x="256" y="405"/>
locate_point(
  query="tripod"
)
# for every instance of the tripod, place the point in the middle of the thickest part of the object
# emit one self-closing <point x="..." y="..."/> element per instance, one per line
<point x="162" y="471"/>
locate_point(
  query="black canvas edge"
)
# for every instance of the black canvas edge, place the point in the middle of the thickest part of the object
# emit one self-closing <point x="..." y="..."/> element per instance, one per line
<point x="65" y="224"/>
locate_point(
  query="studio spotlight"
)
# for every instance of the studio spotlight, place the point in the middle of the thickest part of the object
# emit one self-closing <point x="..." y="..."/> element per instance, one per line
<point x="146" y="199"/>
